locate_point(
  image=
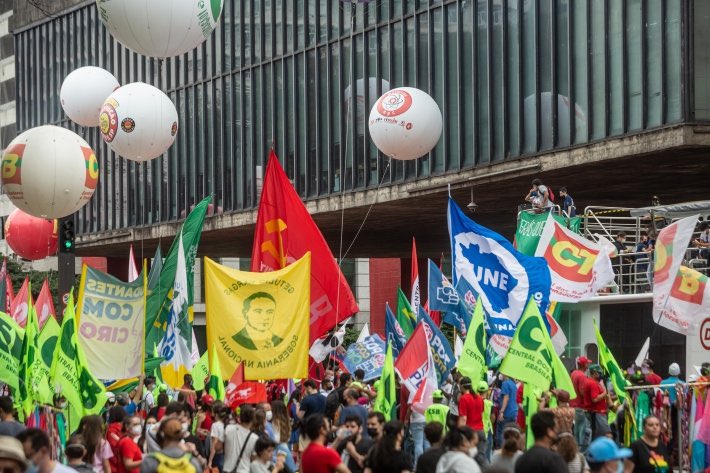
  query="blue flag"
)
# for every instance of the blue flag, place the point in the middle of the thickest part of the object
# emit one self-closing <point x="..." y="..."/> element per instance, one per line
<point x="504" y="278"/>
<point x="395" y="334"/>
<point x="441" y="351"/>
<point x="445" y="298"/>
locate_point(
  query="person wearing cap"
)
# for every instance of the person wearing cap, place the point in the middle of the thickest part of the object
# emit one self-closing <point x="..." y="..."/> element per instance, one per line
<point x="437" y="412"/>
<point x="651" y="378"/>
<point x="540" y="458"/>
<point x="595" y="398"/>
<point x="482" y="388"/>
<point x="603" y="456"/>
<point x="669" y="384"/>
<point x="649" y="454"/>
<point x="35" y="443"/>
<point x="12" y="456"/>
<point x="471" y="409"/>
<point x="581" y="420"/>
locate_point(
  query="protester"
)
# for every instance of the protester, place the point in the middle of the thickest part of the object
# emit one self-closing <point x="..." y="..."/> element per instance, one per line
<point x="351" y="445"/>
<point x="670" y="384"/>
<point x="460" y="446"/>
<point x="114" y="433"/>
<point x="568" y="207"/>
<point x="417" y="422"/>
<point x="239" y="442"/>
<point x="174" y="410"/>
<point x="453" y="397"/>
<point x="649" y="454"/>
<point x="216" y="456"/>
<point x="12" y="456"/>
<point x="567" y="447"/>
<point x="8" y="424"/>
<point x="171" y="456"/>
<point x="264" y="451"/>
<point x="434" y="433"/>
<point x="437" y="412"/>
<point x="148" y="400"/>
<point x="282" y="431"/>
<point x="595" y="398"/>
<point x="540" y="457"/>
<point x="505" y="458"/>
<point x="651" y="378"/>
<point x="36" y="446"/>
<point x="326" y="386"/>
<point x="128" y="453"/>
<point x="470" y="406"/>
<point x="352" y="408"/>
<point x="387" y="455"/>
<point x="539" y="195"/>
<point x="603" y="456"/>
<point x="75" y="452"/>
<point x="313" y="402"/>
<point x="564" y="413"/>
<point x="147" y="426"/>
<point x="375" y="425"/>
<point x="335" y="398"/>
<point x="582" y="432"/>
<point x="317" y="458"/>
<point x="508" y="411"/>
<point x="98" y="450"/>
<point x="158" y="411"/>
<point x="188" y="390"/>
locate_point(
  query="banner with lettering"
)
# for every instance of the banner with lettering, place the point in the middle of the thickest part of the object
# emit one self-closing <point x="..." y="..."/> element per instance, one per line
<point x="260" y="319"/>
<point x="578" y="267"/>
<point x="111" y="324"/>
<point x="367" y="355"/>
<point x="530" y="228"/>
<point x="688" y="301"/>
<point x="441" y="351"/>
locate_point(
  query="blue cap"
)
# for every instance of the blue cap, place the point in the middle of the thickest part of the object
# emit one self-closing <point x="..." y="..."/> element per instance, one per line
<point x="604" y="449"/>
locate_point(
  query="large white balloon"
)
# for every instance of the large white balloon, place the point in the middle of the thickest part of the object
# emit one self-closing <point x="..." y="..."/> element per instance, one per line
<point x="83" y="93"/>
<point x="160" y="28"/>
<point x="138" y="121"/>
<point x="49" y="172"/>
<point x="405" y="123"/>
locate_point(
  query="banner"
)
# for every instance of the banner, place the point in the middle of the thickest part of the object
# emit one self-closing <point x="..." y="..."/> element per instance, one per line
<point x="260" y="319"/>
<point x="441" y="351"/>
<point x="111" y="323"/>
<point x="504" y="278"/>
<point x="34" y="384"/>
<point x="578" y="267"/>
<point x="70" y="376"/>
<point x="215" y="385"/>
<point x="415" y="299"/>
<point x="248" y="392"/>
<point x="11" y="337"/>
<point x="324" y="346"/>
<point x="45" y="306"/>
<point x="368" y="355"/>
<point x="671" y="244"/>
<point x="46" y="344"/>
<point x="688" y="301"/>
<point x="405" y="315"/>
<point x="284" y="233"/>
<point x="531" y="357"/>
<point x="530" y="227"/>
<point x="386" y="399"/>
<point x="395" y="335"/>
<point x="444" y="297"/>
<point x="412" y="362"/>
<point x="473" y="357"/>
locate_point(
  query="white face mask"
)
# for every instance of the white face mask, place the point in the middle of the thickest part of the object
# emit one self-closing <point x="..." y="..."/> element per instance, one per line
<point x="62" y="405"/>
<point x="269" y="415"/>
<point x="136" y="430"/>
<point x="185" y="427"/>
<point x="472" y="452"/>
<point x="620" y="466"/>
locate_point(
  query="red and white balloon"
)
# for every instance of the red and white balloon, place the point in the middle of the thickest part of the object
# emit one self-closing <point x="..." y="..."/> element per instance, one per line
<point x="31" y="237"/>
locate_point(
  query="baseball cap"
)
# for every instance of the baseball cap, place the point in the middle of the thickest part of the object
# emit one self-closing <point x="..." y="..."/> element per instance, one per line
<point x="110" y="397"/>
<point x="11" y="449"/>
<point x="583" y="361"/>
<point x="207" y="399"/>
<point x="604" y="449"/>
<point x="595" y="368"/>
<point x="674" y="369"/>
<point x="482" y="387"/>
<point x="438" y="394"/>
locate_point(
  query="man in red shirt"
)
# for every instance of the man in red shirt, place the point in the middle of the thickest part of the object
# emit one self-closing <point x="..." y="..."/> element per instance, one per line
<point x="471" y="410"/>
<point x="651" y="378"/>
<point x="595" y="398"/>
<point x="317" y="458"/>
<point x="581" y="420"/>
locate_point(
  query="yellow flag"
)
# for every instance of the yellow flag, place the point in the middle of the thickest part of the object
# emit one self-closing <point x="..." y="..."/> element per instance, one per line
<point x="261" y="319"/>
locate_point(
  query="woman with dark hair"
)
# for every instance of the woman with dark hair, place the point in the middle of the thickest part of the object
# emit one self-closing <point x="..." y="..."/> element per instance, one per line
<point x="460" y="444"/>
<point x="650" y="455"/>
<point x="75" y="452"/>
<point x="566" y="446"/>
<point x="505" y="458"/>
<point x="387" y="455"/>
<point x="259" y="424"/>
<point x="114" y="433"/>
<point x="264" y="450"/>
<point x="216" y="455"/>
<point x="282" y="431"/>
<point x="98" y="451"/>
<point x="128" y="453"/>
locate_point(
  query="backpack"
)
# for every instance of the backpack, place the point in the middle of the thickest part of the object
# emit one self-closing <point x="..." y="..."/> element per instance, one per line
<point x="168" y="464"/>
<point x="550" y="194"/>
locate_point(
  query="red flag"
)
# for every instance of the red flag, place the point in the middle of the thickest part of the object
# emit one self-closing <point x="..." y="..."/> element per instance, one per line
<point x="237" y="377"/>
<point x="412" y="362"/>
<point x="44" y="305"/>
<point x="10" y="294"/>
<point x="248" y="392"/>
<point x="284" y="232"/>
<point x="19" y="308"/>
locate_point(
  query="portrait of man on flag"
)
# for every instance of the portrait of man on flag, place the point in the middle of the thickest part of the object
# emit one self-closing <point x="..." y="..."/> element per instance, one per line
<point x="259" y="311"/>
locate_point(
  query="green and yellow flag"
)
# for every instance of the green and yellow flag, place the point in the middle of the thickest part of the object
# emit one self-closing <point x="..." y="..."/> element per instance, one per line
<point x="34" y="384"/>
<point x="215" y="385"/>
<point x="611" y="368"/>
<point x="387" y="389"/>
<point x="11" y="338"/>
<point x="531" y="357"/>
<point x="473" y="357"/>
<point x="200" y="371"/>
<point x="261" y="319"/>
<point x="406" y="317"/>
<point x="70" y="375"/>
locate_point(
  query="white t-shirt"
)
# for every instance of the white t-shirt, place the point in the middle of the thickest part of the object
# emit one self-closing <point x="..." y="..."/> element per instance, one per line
<point x="217" y="430"/>
<point x="234" y="438"/>
<point x="538" y="201"/>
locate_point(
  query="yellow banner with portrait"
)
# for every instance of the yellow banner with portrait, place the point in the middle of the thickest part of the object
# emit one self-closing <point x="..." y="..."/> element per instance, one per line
<point x="260" y="319"/>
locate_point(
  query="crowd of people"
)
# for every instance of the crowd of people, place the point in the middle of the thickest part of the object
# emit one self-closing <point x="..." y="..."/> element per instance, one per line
<point x="329" y="425"/>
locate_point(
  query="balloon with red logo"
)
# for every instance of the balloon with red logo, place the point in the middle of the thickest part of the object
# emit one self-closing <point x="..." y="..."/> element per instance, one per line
<point x="32" y="238"/>
<point x="405" y="123"/>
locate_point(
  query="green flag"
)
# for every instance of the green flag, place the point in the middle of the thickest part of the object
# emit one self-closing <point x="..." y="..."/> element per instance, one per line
<point x="406" y="317"/>
<point x="155" y="269"/>
<point x="200" y="371"/>
<point x="46" y="343"/>
<point x="531" y="357"/>
<point x="611" y="367"/>
<point x="215" y="386"/>
<point x="85" y="394"/>
<point x="531" y="403"/>
<point x="473" y="357"/>
<point x="387" y="390"/>
<point x="530" y="228"/>
<point x="34" y="383"/>
<point x="11" y="338"/>
<point x="158" y="301"/>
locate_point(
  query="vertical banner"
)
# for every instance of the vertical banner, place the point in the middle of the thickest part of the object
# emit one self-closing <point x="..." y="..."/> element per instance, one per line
<point x="111" y="324"/>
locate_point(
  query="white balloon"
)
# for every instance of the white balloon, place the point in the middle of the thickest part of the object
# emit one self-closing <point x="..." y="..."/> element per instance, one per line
<point x="361" y="109"/>
<point x="138" y="121"/>
<point x="49" y="172"/>
<point x="83" y="93"/>
<point x="563" y="108"/>
<point x="405" y="123"/>
<point x="160" y="28"/>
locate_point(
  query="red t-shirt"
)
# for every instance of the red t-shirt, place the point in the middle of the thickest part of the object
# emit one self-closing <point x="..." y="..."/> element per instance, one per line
<point x="127" y="448"/>
<point x="319" y="459"/>
<point x="206" y="423"/>
<point x="653" y="379"/>
<point x="471" y="406"/>
<point x="578" y="380"/>
<point x="593" y="389"/>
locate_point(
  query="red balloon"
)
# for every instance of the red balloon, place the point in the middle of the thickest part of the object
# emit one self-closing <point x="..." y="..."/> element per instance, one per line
<point x="31" y="237"/>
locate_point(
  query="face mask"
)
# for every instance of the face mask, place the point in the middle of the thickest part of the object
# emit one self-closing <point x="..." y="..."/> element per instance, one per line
<point x="185" y="427"/>
<point x="620" y="467"/>
<point x="31" y="467"/>
<point x="472" y="452"/>
<point x="372" y="432"/>
<point x="62" y="405"/>
<point x="136" y="430"/>
<point x="269" y="416"/>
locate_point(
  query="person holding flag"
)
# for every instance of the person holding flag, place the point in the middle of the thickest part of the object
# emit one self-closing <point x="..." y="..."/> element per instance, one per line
<point x="471" y="409"/>
<point x="595" y="398"/>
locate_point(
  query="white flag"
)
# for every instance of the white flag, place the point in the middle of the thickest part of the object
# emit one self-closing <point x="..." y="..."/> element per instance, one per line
<point x="322" y="347"/>
<point x="132" y="269"/>
<point x="364" y="333"/>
